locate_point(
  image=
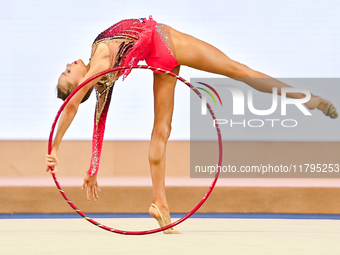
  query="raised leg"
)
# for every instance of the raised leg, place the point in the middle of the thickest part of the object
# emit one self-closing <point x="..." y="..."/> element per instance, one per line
<point x="164" y="89"/>
<point x="198" y="54"/>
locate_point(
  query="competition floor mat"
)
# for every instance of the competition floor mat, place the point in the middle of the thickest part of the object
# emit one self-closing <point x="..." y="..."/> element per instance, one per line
<point x="203" y="234"/>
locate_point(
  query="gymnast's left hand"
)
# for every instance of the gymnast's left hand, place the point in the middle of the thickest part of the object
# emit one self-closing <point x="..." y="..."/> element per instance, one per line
<point x="91" y="186"/>
<point x="52" y="162"/>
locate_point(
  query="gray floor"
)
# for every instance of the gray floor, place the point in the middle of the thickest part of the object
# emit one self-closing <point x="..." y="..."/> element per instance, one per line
<point x="200" y="236"/>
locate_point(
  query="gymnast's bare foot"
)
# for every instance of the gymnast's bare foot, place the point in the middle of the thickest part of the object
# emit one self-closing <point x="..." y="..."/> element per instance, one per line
<point x="323" y="105"/>
<point x="162" y="218"/>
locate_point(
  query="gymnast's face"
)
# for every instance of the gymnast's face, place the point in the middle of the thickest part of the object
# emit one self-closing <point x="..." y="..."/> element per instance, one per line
<point x="71" y="78"/>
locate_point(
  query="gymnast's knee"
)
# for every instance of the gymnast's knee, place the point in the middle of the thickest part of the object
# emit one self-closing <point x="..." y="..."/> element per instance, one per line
<point x="161" y="132"/>
<point x="159" y="138"/>
<point x="239" y="71"/>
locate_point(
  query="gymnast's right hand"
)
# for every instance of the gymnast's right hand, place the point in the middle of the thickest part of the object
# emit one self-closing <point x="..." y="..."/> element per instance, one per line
<point x="52" y="162"/>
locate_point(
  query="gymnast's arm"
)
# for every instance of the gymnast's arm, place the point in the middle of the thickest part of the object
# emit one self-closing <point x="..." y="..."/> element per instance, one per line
<point x="102" y="107"/>
<point x="99" y="62"/>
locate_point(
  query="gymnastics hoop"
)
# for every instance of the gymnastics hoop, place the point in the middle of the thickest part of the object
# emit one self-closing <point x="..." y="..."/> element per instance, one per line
<point x="205" y="197"/>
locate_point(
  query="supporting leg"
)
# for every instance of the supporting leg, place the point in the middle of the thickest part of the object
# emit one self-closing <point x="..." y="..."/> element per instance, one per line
<point x="164" y="89"/>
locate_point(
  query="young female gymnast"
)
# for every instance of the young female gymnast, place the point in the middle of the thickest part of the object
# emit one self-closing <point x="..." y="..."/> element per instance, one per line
<point x="126" y="43"/>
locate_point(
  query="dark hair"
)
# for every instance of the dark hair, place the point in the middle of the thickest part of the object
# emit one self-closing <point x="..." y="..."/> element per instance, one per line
<point x="62" y="94"/>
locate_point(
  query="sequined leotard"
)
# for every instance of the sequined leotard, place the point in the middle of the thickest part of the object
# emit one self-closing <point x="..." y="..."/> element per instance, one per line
<point x="139" y="39"/>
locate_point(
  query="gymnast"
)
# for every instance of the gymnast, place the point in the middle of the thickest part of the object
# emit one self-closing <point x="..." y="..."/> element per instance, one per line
<point x="127" y="43"/>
